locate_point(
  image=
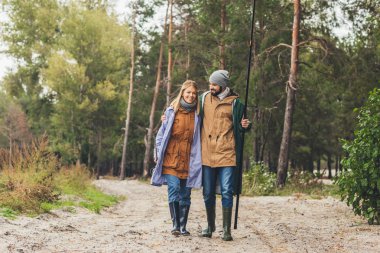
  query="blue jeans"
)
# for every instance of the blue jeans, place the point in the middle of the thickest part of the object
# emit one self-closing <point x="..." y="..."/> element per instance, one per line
<point x="226" y="180"/>
<point x="177" y="190"/>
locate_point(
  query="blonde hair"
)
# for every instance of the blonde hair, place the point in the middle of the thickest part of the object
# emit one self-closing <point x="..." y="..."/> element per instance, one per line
<point x="188" y="83"/>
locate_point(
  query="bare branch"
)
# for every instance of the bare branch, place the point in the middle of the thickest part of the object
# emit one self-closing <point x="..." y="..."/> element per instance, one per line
<point x="270" y="49"/>
<point x="320" y="41"/>
<point x="279" y="63"/>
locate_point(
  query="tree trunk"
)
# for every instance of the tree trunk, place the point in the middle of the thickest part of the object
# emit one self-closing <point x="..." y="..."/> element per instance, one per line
<point x="188" y="49"/>
<point x="310" y="164"/>
<point x="131" y="80"/>
<point x="89" y="159"/>
<point x="329" y="165"/>
<point x="112" y="172"/>
<point x="256" y="120"/>
<point x="293" y="164"/>
<point x="290" y="101"/>
<point x="99" y="150"/>
<point x="10" y="151"/>
<point x="148" y="141"/>
<point x="256" y="112"/>
<point x="247" y="163"/>
<point x="170" y="57"/>
<point x="336" y="166"/>
<point x="265" y="137"/>
<point x="319" y="167"/>
<point x="223" y="22"/>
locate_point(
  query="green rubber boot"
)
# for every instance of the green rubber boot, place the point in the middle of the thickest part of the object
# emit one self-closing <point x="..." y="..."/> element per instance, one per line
<point x="227" y="214"/>
<point x="210" y="211"/>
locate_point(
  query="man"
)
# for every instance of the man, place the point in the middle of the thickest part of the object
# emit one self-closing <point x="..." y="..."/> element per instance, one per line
<point x="222" y="126"/>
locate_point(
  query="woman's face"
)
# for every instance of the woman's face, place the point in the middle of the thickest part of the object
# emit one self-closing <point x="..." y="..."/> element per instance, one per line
<point x="189" y="94"/>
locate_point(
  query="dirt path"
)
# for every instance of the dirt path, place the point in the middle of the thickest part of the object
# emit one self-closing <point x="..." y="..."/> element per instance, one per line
<point x="142" y="224"/>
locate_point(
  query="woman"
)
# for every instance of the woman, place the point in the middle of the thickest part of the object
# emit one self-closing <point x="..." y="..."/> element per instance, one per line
<point x="178" y="154"/>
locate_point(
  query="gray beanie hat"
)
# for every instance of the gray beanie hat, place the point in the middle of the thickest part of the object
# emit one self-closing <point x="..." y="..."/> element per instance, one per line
<point x="220" y="77"/>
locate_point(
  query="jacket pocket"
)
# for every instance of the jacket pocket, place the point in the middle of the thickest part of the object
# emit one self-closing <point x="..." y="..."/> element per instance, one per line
<point x="171" y="155"/>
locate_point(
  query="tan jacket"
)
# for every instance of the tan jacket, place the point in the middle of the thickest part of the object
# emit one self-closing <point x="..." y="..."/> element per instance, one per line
<point x="177" y="154"/>
<point x="217" y="136"/>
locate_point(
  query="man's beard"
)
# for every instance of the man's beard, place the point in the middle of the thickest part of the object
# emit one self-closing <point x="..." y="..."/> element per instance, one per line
<point x="216" y="93"/>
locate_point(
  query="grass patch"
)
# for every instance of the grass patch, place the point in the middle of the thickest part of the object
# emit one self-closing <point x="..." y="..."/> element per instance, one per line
<point x="65" y="205"/>
<point x="95" y="200"/>
<point x="8" y="213"/>
<point x="76" y="184"/>
<point x="32" y="181"/>
<point x="314" y="191"/>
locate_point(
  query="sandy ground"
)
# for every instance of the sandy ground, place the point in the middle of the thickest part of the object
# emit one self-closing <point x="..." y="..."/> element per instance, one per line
<point x="141" y="223"/>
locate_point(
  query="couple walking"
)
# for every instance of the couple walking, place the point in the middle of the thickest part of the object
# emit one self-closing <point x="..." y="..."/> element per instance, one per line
<point x="198" y="143"/>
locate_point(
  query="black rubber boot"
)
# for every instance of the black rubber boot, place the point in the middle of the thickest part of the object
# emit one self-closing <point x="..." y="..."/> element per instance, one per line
<point x="210" y="211"/>
<point x="174" y="213"/>
<point x="227" y="213"/>
<point x="184" y="213"/>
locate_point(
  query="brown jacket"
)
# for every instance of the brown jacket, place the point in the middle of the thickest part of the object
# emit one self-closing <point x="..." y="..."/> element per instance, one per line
<point x="217" y="136"/>
<point x="177" y="154"/>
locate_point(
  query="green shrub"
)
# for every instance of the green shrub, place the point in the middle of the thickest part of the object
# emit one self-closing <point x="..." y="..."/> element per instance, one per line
<point x="26" y="178"/>
<point x="359" y="184"/>
<point x="72" y="179"/>
<point x="32" y="182"/>
<point x="302" y="180"/>
<point x="258" y="180"/>
<point x="307" y="183"/>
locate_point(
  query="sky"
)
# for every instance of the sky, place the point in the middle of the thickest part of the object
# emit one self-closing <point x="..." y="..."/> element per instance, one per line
<point x="7" y="64"/>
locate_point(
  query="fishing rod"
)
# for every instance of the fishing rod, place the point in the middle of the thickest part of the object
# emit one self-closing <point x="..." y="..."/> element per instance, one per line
<point x="245" y="113"/>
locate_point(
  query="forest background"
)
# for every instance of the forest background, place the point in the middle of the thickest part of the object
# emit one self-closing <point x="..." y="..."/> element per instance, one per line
<point x="79" y="67"/>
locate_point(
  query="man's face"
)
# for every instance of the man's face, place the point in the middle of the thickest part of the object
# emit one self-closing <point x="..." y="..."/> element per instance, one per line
<point x="215" y="89"/>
